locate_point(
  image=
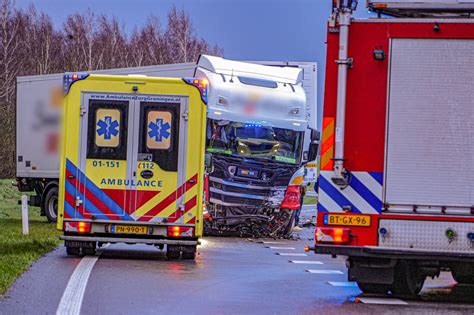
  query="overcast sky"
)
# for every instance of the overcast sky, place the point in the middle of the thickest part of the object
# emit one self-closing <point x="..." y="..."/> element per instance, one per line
<point x="283" y="30"/>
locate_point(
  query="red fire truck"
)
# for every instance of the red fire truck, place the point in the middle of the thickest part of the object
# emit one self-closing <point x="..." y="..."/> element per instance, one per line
<point x="396" y="186"/>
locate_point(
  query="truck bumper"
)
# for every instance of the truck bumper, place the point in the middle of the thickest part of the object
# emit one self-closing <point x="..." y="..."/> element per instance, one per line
<point x="104" y="239"/>
<point x="395" y="253"/>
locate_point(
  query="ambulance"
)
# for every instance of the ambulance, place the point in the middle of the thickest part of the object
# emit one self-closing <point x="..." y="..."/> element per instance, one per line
<point x="132" y="162"/>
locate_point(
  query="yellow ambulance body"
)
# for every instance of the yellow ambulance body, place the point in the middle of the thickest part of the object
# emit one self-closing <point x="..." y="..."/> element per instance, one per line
<point x="132" y="162"/>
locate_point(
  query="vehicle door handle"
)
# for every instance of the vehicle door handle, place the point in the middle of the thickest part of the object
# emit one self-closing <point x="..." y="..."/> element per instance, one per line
<point x="146" y="174"/>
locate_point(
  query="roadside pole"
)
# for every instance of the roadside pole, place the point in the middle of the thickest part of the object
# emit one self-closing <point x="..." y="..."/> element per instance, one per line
<point x="24" y="214"/>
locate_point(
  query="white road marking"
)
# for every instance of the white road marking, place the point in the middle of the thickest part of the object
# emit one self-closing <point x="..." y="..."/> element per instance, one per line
<point x="387" y="301"/>
<point x="309" y="262"/>
<point x="280" y="247"/>
<point x="291" y="254"/>
<point x="275" y="243"/>
<point x="343" y="284"/>
<point x="326" y="272"/>
<point x="71" y="300"/>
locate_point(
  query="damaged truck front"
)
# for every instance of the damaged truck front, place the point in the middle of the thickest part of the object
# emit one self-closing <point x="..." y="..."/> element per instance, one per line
<point x="258" y="143"/>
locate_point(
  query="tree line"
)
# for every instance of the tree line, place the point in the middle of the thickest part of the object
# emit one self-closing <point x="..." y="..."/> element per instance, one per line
<point x="30" y="44"/>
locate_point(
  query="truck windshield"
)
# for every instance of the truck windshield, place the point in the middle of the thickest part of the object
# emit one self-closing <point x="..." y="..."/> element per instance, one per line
<point x="253" y="140"/>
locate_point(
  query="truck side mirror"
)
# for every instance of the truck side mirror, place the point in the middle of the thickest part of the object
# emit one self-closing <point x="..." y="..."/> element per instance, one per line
<point x="314" y="145"/>
<point x="208" y="163"/>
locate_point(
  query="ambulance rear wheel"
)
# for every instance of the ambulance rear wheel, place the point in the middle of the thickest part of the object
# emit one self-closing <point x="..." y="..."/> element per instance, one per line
<point x="190" y="254"/>
<point x="408" y="281"/>
<point x="73" y="251"/>
<point x="173" y="252"/>
<point x="50" y="204"/>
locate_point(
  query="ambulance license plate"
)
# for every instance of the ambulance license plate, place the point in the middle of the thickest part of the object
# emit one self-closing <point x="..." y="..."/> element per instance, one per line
<point x="342" y="219"/>
<point x="129" y="229"/>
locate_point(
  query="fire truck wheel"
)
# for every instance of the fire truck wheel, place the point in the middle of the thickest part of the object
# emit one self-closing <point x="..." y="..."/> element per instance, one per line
<point x="463" y="273"/>
<point x="374" y="288"/>
<point x="408" y="280"/>
<point x="73" y="251"/>
<point x="50" y="204"/>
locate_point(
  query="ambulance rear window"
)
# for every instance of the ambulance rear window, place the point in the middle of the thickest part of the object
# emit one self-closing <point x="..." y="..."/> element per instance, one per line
<point x="107" y="137"/>
<point x="159" y="134"/>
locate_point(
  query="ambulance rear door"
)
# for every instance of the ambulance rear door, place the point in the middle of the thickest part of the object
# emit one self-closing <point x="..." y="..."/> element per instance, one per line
<point x="103" y="176"/>
<point x="158" y="158"/>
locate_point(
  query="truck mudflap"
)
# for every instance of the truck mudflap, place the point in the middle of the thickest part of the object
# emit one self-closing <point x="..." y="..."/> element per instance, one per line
<point x="380" y="252"/>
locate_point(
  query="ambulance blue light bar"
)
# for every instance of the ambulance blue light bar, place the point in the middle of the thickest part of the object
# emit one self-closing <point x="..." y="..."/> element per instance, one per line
<point x="202" y="85"/>
<point x="71" y="77"/>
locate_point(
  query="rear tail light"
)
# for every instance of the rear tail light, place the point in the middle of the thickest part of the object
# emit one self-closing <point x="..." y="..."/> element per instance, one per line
<point x="292" y="198"/>
<point x="180" y="231"/>
<point x="77" y="227"/>
<point x="201" y="84"/>
<point x="332" y="235"/>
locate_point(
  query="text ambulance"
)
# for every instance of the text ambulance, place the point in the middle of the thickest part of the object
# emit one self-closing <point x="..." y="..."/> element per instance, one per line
<point x="132" y="162"/>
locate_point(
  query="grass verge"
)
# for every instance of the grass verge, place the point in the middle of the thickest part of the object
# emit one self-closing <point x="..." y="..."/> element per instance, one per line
<point x="18" y="252"/>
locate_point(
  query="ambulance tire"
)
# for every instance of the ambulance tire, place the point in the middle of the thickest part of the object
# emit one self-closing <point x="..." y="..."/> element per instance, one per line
<point x="408" y="281"/>
<point x="374" y="288"/>
<point x="73" y="251"/>
<point x="86" y="251"/>
<point x="49" y="204"/>
<point x="172" y="252"/>
<point x="189" y="255"/>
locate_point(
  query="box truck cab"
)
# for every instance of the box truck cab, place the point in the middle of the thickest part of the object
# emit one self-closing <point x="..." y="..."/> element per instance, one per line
<point x="132" y="162"/>
<point x="258" y="140"/>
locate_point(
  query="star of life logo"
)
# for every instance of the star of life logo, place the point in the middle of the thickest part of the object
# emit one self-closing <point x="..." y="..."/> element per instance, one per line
<point x="107" y="127"/>
<point x="159" y="130"/>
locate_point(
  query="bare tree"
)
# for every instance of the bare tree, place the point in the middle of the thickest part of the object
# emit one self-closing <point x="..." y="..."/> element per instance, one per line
<point x="30" y="44"/>
<point x="81" y="51"/>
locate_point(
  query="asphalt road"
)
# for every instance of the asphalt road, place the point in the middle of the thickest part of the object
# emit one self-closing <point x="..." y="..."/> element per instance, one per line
<point x="229" y="276"/>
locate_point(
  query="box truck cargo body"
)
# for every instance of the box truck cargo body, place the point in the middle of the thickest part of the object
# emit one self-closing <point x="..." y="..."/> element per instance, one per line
<point x="402" y="208"/>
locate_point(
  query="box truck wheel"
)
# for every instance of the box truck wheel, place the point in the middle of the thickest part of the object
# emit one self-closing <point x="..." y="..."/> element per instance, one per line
<point x="408" y="279"/>
<point x="49" y="204"/>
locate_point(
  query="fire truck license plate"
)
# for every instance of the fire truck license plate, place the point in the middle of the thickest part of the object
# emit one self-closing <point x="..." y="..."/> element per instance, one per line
<point x="129" y="229"/>
<point x="342" y="219"/>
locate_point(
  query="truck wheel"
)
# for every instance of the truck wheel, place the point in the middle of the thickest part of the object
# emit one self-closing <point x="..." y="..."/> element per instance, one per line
<point x="374" y="288"/>
<point x="291" y="224"/>
<point x="73" y="251"/>
<point x="408" y="281"/>
<point x="463" y="273"/>
<point x="50" y="204"/>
